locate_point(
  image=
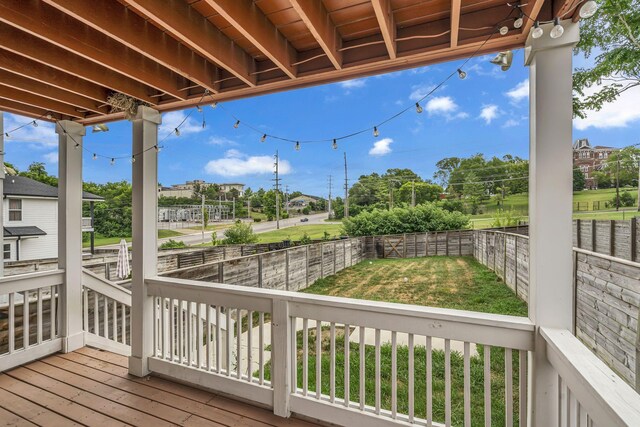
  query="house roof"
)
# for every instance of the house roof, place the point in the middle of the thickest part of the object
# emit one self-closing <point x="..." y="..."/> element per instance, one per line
<point x="23" y="186"/>
<point x="23" y="231"/>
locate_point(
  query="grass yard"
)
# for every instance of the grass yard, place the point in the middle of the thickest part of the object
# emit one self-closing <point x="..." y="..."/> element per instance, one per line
<point x="103" y="241"/>
<point x="449" y="282"/>
<point x="314" y="231"/>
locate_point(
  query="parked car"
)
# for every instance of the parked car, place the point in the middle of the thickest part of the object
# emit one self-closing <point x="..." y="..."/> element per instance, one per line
<point x="304" y="220"/>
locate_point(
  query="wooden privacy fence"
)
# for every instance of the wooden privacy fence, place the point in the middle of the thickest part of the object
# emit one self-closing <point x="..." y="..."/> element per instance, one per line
<point x="610" y="237"/>
<point x="413" y="245"/>
<point x="287" y="269"/>
<point x="606" y="292"/>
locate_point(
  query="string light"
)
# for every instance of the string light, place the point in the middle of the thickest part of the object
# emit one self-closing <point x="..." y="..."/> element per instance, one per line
<point x="418" y="109"/>
<point x="6" y="134"/>
<point x="176" y="131"/>
<point x="49" y="116"/>
<point x="297" y="145"/>
<point x="95" y="156"/>
<point x="199" y="108"/>
<point x="204" y="124"/>
<point x="537" y="31"/>
<point x="133" y="159"/>
<point x="263" y="138"/>
<point x="588" y="9"/>
<point x="236" y="124"/>
<point x="34" y="124"/>
<point x="558" y="30"/>
<point x="335" y="144"/>
<point x="504" y="30"/>
<point x="77" y="145"/>
<point x="214" y="104"/>
<point x="113" y="161"/>
<point x="462" y="74"/>
<point x="375" y="132"/>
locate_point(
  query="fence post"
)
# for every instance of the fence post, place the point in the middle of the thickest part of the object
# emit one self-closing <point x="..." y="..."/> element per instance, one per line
<point x="459" y="243"/>
<point x="286" y="269"/>
<point x="515" y="264"/>
<point x="415" y="244"/>
<point x="281" y="358"/>
<point x="504" y="260"/>
<point x="220" y="272"/>
<point x="612" y="237"/>
<point x="593" y="235"/>
<point x="322" y="260"/>
<point x="578" y="234"/>
<point x="446" y="242"/>
<point x="633" y="246"/>
<point x="306" y="267"/>
<point x="259" y="270"/>
<point x="334" y="257"/>
<point x="426" y="244"/>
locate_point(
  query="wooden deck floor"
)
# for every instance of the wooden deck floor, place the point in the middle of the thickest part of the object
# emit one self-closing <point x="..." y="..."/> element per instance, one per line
<point x="91" y="387"/>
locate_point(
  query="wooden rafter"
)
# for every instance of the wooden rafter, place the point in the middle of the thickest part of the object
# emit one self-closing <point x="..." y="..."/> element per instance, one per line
<point x="130" y="29"/>
<point x="45" y="22"/>
<point x="532" y="9"/>
<point x="24" y="109"/>
<point x="249" y="20"/>
<point x="44" y="74"/>
<point x="192" y="29"/>
<point x="317" y="20"/>
<point x="38" y="101"/>
<point x="387" y="25"/>
<point x="41" y="51"/>
<point x="455" y="22"/>
<point x="48" y="91"/>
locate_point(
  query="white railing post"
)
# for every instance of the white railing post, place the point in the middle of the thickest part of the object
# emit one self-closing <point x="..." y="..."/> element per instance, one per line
<point x="281" y="358"/>
<point x="550" y="206"/>
<point x="144" y="226"/>
<point x="70" y="232"/>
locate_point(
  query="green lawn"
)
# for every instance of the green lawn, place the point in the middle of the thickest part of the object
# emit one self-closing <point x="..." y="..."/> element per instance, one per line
<point x="314" y="231"/>
<point x="450" y="282"/>
<point x="102" y="241"/>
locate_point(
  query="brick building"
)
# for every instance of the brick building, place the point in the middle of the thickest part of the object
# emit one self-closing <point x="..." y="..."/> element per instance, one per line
<point x="590" y="159"/>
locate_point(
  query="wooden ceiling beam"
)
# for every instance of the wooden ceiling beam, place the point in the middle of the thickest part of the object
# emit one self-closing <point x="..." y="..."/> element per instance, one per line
<point x="455" y="22"/>
<point x="50" y="76"/>
<point x="133" y="31"/>
<point x="51" y="92"/>
<point x="38" y="101"/>
<point x="195" y="31"/>
<point x="315" y="17"/>
<point x="45" y="22"/>
<point x="41" y="51"/>
<point x="249" y="20"/>
<point x="531" y="9"/>
<point x="14" y="107"/>
<point x="384" y="14"/>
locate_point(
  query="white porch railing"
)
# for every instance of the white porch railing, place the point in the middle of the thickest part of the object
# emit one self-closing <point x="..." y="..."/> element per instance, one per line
<point x="106" y="313"/>
<point x="29" y="317"/>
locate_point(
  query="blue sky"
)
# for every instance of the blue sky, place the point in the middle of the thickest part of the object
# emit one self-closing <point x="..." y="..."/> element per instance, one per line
<point x="487" y="112"/>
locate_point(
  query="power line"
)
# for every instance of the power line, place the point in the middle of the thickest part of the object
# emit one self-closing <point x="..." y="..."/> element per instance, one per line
<point x="277" y="183"/>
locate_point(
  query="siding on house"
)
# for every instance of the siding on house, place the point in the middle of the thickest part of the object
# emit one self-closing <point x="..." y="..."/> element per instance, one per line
<point x="39" y="212"/>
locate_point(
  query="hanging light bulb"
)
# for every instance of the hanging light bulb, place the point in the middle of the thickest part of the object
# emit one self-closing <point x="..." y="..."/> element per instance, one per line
<point x="375" y="132"/>
<point x="95" y="156"/>
<point x="418" y="109"/>
<point x="204" y="124"/>
<point x="112" y="162"/>
<point x="199" y="108"/>
<point x="504" y="30"/>
<point x="214" y="104"/>
<point x="519" y="20"/>
<point x="297" y="145"/>
<point x="537" y="32"/>
<point x="49" y="116"/>
<point x="177" y="131"/>
<point x="335" y="144"/>
<point x="588" y="9"/>
<point x="100" y="127"/>
<point x="158" y="149"/>
<point x="34" y="124"/>
<point x="77" y="145"/>
<point x="236" y="124"/>
<point x="133" y="159"/>
<point x="462" y="74"/>
<point x="557" y="31"/>
<point x="6" y="134"/>
<point x="263" y="138"/>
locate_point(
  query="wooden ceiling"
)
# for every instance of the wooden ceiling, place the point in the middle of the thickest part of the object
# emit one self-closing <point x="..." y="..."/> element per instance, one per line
<point x="63" y="58"/>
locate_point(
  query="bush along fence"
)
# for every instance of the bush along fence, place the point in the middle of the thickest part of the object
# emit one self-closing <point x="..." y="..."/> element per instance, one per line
<point x="606" y="292"/>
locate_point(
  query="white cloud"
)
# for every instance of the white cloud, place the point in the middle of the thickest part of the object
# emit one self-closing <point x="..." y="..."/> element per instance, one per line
<point x="489" y="112"/>
<point x="170" y="121"/>
<point x="42" y="136"/>
<point x="353" y="84"/>
<point x="441" y="105"/>
<point x="420" y="91"/>
<point x="51" y="157"/>
<point x="220" y="140"/>
<point x="381" y="147"/>
<point x="519" y="92"/>
<point x="510" y="123"/>
<point x="235" y="163"/>
<point x="617" y="114"/>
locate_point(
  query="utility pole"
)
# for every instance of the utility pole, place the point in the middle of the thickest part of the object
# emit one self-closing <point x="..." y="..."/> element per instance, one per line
<point x="203" y="219"/>
<point x="346" y="188"/>
<point x="329" y="207"/>
<point x="277" y="181"/>
<point x="234" y="208"/>
<point x="249" y="208"/>
<point x="286" y="198"/>
<point x="413" y="194"/>
<point x="618" y="185"/>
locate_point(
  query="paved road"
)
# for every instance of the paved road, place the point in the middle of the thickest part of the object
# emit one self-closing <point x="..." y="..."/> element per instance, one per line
<point x="195" y="237"/>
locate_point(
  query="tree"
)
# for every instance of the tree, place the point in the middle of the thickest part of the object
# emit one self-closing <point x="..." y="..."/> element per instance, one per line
<point x="37" y="171"/>
<point x="578" y="180"/>
<point x="473" y="191"/>
<point x="424" y="191"/>
<point x="239" y="234"/>
<point x="269" y="203"/>
<point x="612" y="37"/>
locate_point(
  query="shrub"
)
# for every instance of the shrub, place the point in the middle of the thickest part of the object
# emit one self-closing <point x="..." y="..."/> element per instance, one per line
<point x="305" y="239"/>
<point x="238" y="234"/>
<point x="626" y="200"/>
<point x="422" y="218"/>
<point x="306" y="211"/>
<point x="172" y="244"/>
<point x="504" y="218"/>
<point x="452" y="205"/>
<point x="257" y="219"/>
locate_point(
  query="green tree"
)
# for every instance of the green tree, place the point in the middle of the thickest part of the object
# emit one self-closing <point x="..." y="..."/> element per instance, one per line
<point x="425" y="192"/>
<point x="269" y="203"/>
<point x="239" y="233"/>
<point x="611" y="36"/>
<point x="474" y="192"/>
<point x="578" y="180"/>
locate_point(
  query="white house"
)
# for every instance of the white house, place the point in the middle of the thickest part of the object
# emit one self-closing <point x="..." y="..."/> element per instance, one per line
<point x="31" y="219"/>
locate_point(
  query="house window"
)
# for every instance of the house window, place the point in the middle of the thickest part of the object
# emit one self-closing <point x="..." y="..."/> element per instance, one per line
<point x="7" y="251"/>
<point x="15" y="210"/>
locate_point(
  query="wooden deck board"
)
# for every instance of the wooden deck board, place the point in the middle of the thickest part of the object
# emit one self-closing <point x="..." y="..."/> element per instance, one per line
<point x="93" y="387"/>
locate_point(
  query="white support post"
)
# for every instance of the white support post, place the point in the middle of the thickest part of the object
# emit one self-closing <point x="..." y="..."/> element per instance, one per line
<point x="144" y="226"/>
<point x="282" y="347"/>
<point x="550" y="206"/>
<point x="70" y="231"/>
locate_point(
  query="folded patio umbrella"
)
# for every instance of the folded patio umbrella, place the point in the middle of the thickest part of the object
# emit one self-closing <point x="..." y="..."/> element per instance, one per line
<point x="122" y="268"/>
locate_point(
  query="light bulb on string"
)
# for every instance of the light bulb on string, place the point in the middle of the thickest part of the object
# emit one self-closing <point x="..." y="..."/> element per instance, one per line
<point x="537" y="31"/>
<point x="263" y="138"/>
<point x="199" y="108"/>
<point x="177" y="131"/>
<point x="112" y="162"/>
<point x="34" y="124"/>
<point x="214" y="104"/>
<point x="95" y="156"/>
<point x="418" y="109"/>
<point x="204" y="124"/>
<point x="375" y="132"/>
<point x="504" y="30"/>
<point x="236" y="124"/>
<point x="558" y="30"/>
<point x="6" y="134"/>
<point x="133" y="159"/>
<point x="297" y="145"/>
<point x="462" y="74"/>
<point x="49" y="116"/>
<point x="588" y="9"/>
<point x="77" y="145"/>
<point x="519" y="21"/>
<point x="335" y="144"/>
